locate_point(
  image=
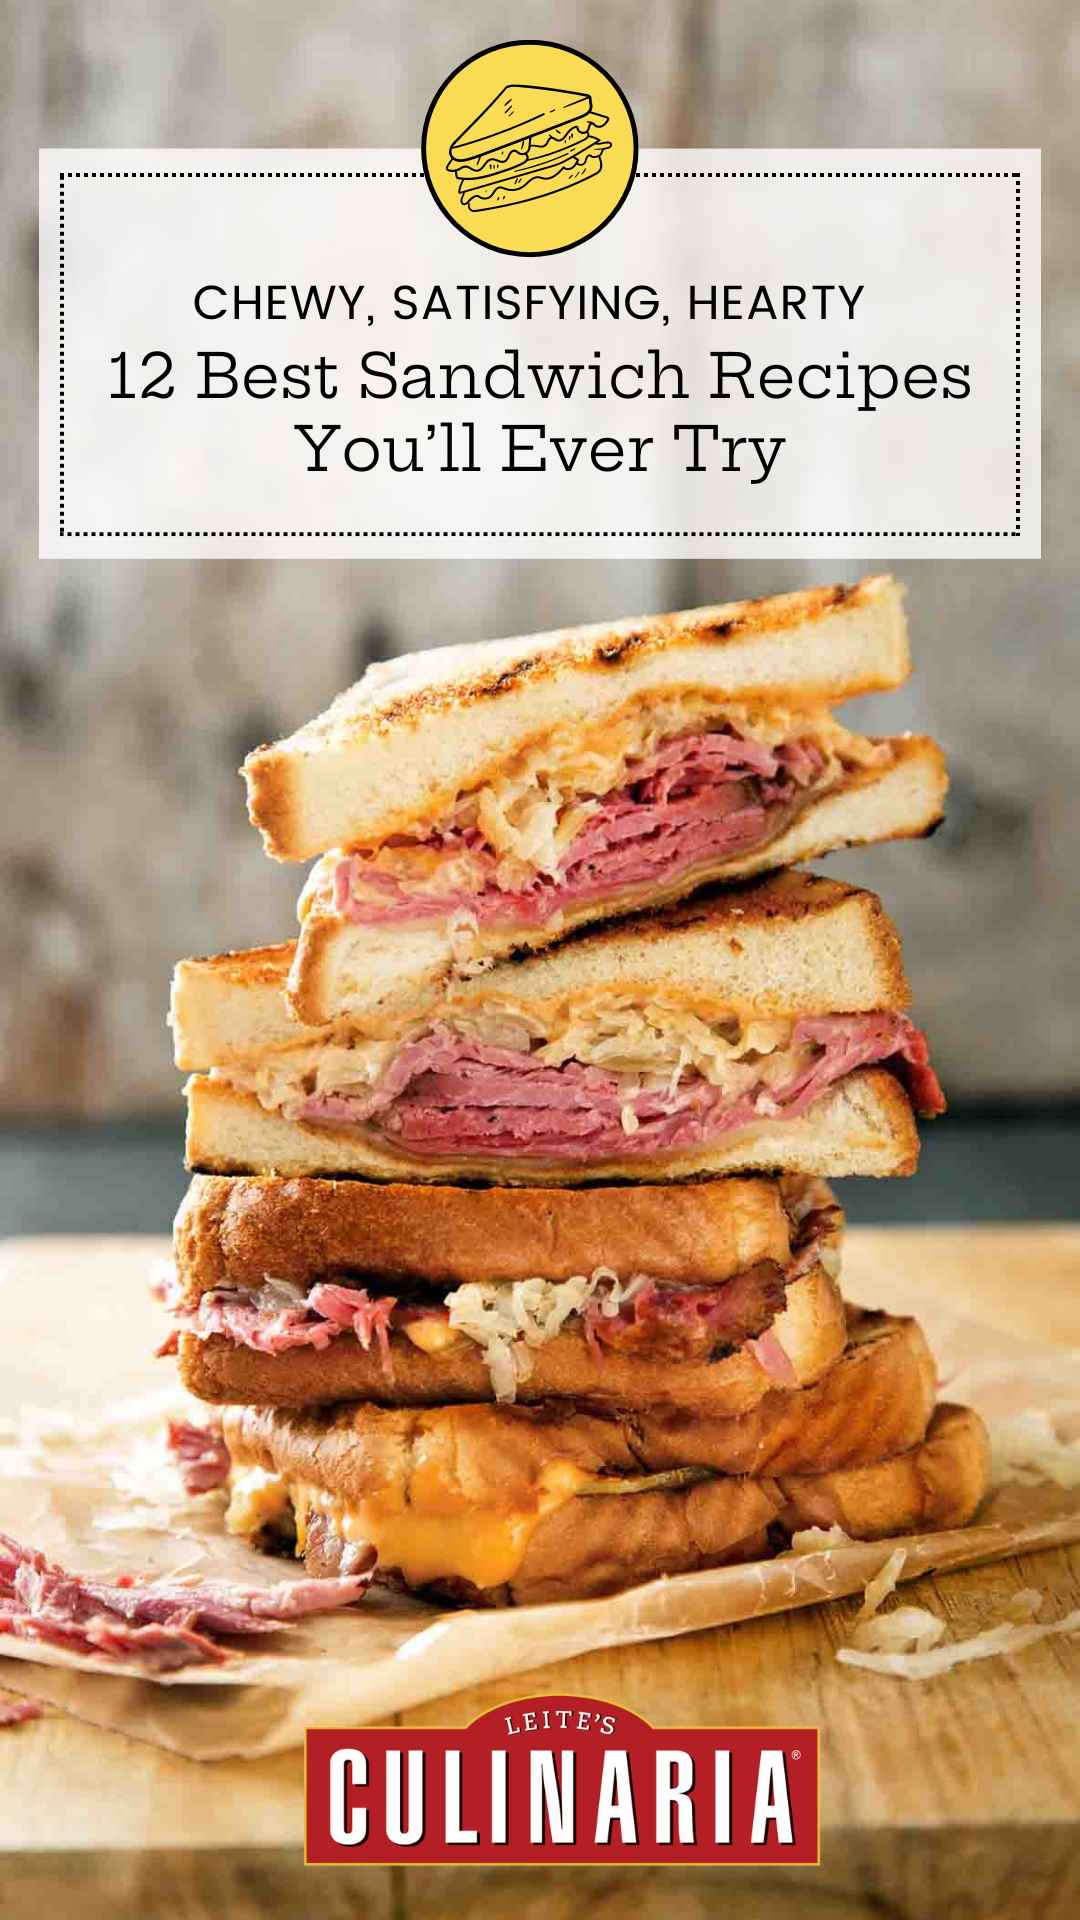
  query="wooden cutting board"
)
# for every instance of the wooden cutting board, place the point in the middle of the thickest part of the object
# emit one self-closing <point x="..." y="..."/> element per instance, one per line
<point x="960" y="1796"/>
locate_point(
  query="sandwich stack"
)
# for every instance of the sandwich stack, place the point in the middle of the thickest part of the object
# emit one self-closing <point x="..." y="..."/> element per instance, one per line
<point x="509" y="1259"/>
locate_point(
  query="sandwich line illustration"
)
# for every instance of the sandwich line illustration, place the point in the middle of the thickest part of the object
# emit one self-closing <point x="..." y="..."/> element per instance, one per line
<point x="528" y="142"/>
<point x="509" y="1261"/>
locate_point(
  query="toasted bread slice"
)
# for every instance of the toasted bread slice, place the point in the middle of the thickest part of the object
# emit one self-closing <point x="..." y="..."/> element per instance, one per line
<point x="795" y="943"/>
<point x="233" y="1232"/>
<point x="505" y="1506"/>
<point x="863" y="1124"/>
<point x="518" y="114"/>
<point x="230" y="1008"/>
<point x="792" y="944"/>
<point x="365" y="972"/>
<point x="394" y="752"/>
<point x="875" y="1401"/>
<point x="937" y="1484"/>
<point x="811" y="1330"/>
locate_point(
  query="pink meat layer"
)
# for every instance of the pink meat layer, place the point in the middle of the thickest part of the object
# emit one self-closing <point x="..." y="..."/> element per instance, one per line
<point x="158" y="1625"/>
<point x="444" y="1094"/>
<point x="313" y="1320"/>
<point x="199" y="1454"/>
<point x="699" y="797"/>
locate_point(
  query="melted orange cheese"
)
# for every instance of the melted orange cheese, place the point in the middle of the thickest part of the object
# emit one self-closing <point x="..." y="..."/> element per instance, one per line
<point x="432" y="1335"/>
<point x="438" y="1535"/>
<point x="257" y="1499"/>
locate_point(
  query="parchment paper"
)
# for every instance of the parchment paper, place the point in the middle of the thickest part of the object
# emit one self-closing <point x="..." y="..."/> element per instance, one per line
<point x="84" y="1476"/>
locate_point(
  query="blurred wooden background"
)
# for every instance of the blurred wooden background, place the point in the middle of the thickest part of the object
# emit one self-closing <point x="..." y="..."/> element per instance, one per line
<point x="129" y="692"/>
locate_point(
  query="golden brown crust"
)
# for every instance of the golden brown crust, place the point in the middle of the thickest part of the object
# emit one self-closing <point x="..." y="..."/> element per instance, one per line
<point x="235" y="1231"/>
<point x="231" y="1007"/>
<point x="788" y="897"/>
<point x="220" y="1371"/>
<point x="594" y="1546"/>
<point x="491" y="1459"/>
<point x="875" y="1401"/>
<point x="248" y="966"/>
<point x="597" y="1546"/>
<point x="937" y="1484"/>
<point x="600" y="647"/>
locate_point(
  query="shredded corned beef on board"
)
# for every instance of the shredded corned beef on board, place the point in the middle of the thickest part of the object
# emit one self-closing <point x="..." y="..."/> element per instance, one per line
<point x="445" y="1093"/>
<point x="13" y="1712"/>
<point x="200" y="1453"/>
<point x="704" y="796"/>
<point x="157" y="1624"/>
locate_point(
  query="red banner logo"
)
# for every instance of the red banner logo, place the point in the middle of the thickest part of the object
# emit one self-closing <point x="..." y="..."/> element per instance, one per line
<point x="562" y="1778"/>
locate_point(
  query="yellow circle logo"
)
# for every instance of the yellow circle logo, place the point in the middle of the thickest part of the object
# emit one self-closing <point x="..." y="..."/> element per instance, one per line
<point x="529" y="147"/>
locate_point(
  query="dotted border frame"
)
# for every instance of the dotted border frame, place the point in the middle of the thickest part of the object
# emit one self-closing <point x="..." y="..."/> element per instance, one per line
<point x="547" y="533"/>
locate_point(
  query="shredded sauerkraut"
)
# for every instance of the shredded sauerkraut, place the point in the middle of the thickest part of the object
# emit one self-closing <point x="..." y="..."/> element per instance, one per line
<point x="904" y="1630"/>
<point x="928" y="1661"/>
<point x="817" y="1540"/>
<point x="654" y="1041"/>
<point x="507" y="1321"/>
<point x="882" y="1584"/>
<point x="540" y="801"/>
<point x="1027" y="1449"/>
<point x="284" y="1080"/>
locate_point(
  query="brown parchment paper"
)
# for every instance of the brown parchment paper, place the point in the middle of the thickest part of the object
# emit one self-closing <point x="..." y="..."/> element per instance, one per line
<point x="84" y="1476"/>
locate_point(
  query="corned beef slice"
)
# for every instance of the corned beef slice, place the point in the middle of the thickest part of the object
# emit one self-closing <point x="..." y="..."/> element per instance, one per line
<point x="447" y="1094"/>
<point x="200" y="1453"/>
<point x="13" y="1712"/>
<point x="159" y="1624"/>
<point x="699" y="797"/>
<point x="690" y="1323"/>
<point x="295" y="1320"/>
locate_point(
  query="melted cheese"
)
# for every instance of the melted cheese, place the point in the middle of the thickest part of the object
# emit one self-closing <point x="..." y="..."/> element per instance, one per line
<point x="438" y="1535"/>
<point x="432" y="1335"/>
<point x="257" y="1499"/>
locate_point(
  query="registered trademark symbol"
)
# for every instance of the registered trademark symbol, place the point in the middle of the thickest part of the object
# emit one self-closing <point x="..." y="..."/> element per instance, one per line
<point x="796" y="1753"/>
